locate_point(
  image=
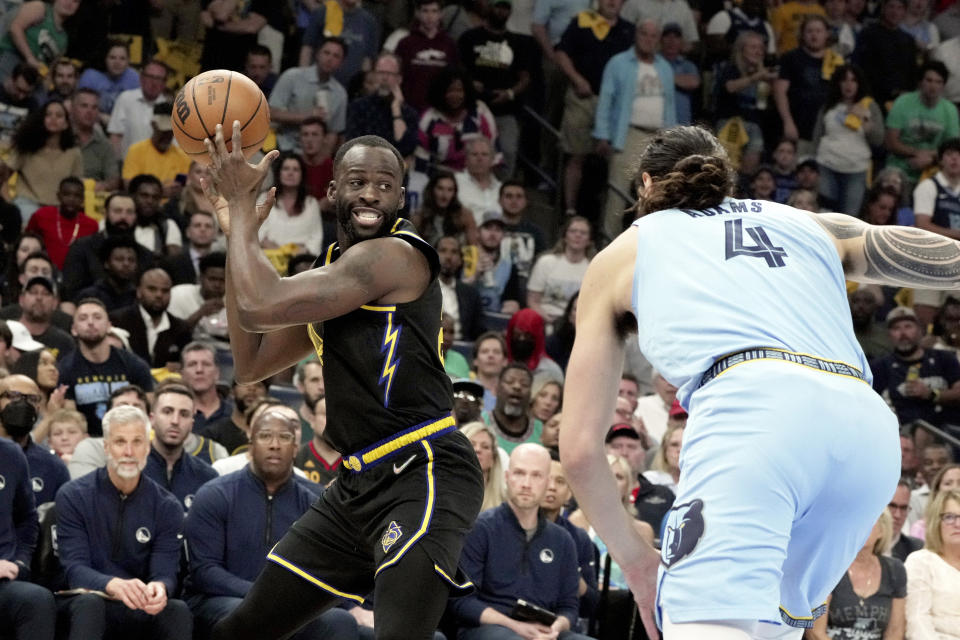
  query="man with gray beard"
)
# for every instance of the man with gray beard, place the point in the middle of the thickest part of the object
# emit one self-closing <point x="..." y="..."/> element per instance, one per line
<point x="117" y="532"/>
<point x="509" y="417"/>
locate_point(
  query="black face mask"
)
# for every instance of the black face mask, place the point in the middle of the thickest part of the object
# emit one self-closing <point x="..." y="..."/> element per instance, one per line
<point x="18" y="418"/>
<point x="522" y="348"/>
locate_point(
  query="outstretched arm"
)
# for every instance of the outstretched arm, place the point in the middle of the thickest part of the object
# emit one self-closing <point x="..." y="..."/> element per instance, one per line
<point x="893" y="255"/>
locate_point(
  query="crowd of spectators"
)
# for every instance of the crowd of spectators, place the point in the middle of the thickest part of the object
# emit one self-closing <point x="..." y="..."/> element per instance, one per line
<point x="519" y="121"/>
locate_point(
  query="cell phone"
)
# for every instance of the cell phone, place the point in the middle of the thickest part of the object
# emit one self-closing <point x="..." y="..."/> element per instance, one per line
<point x="181" y="179"/>
<point x="528" y="612"/>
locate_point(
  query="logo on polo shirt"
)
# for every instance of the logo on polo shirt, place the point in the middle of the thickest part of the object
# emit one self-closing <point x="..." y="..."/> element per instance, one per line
<point x="37" y="484"/>
<point x="3" y="482"/>
<point x="188" y="500"/>
<point x="143" y="535"/>
<point x="546" y="556"/>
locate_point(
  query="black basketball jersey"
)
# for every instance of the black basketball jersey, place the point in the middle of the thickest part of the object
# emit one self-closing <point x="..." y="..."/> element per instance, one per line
<point x="382" y="364"/>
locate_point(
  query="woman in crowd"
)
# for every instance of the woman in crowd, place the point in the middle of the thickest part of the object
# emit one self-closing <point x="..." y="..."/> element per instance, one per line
<point x="763" y="184"/>
<point x="191" y="199"/>
<point x="560" y="342"/>
<point x="295" y="217"/>
<point x="947" y="479"/>
<point x="41" y="367"/>
<point x="804" y="199"/>
<point x="28" y="242"/>
<point x="743" y="86"/>
<point x="67" y="428"/>
<point x="879" y="206"/>
<point x="550" y="436"/>
<point x="848" y="127"/>
<point x="869" y="601"/>
<point x="665" y="469"/>
<point x="484" y="442"/>
<point x="546" y="399"/>
<point x="116" y="77"/>
<point x="895" y="180"/>
<point x="454" y="117"/>
<point x="45" y="152"/>
<point x="933" y="574"/>
<point x="556" y="276"/>
<point x="36" y="35"/>
<point x="442" y="214"/>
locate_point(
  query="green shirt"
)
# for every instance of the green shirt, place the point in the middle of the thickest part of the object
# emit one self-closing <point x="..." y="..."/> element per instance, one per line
<point x="921" y="127"/>
<point x="45" y="39"/>
<point x="509" y="443"/>
<point x="456" y="365"/>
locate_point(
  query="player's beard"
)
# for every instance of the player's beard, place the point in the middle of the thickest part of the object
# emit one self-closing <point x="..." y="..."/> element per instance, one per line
<point x="345" y="222"/>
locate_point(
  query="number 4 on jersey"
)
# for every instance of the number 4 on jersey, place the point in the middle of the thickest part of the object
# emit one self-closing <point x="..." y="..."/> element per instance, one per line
<point x="762" y="247"/>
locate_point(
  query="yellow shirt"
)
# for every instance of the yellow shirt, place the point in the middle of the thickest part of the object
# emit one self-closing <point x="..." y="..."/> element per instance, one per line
<point x="786" y="20"/>
<point x="143" y="157"/>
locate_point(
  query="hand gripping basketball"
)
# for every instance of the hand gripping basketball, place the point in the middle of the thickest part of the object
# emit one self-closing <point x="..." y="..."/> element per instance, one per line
<point x="234" y="183"/>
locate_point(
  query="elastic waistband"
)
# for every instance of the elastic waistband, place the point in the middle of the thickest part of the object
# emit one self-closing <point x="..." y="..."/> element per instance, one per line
<point x="380" y="451"/>
<point x="765" y="353"/>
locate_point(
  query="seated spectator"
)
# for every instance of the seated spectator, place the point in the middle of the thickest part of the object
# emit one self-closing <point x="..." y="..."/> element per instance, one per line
<point x="82" y="266"/>
<point x="316" y="458"/>
<point x="763" y="184"/>
<point x="16" y="100"/>
<point x="849" y="127"/>
<point x="308" y="380"/>
<point x="152" y="229"/>
<point x="884" y="578"/>
<point x="95" y="369"/>
<point x="257" y="67"/>
<point x="233" y="431"/>
<point x="879" y="206"/>
<point x="896" y="180"/>
<point x="133" y="108"/>
<point x="560" y="342"/>
<point x="44" y="153"/>
<point x="726" y="26"/>
<point x="804" y="199"/>
<point x="200" y="235"/>
<point x="67" y="428"/>
<point x="887" y="54"/>
<point x="946" y="326"/>
<point x="129" y="553"/>
<point x="785" y="169"/>
<point x="653" y="410"/>
<point x="155" y="335"/>
<point x="201" y="305"/>
<point x="191" y="198"/>
<point x="554" y="503"/>
<point x="467" y="400"/>
<point x="27" y="610"/>
<point x="385" y="113"/>
<point x="36" y="35"/>
<point x="933" y="576"/>
<point x="237" y="518"/>
<point x="947" y="479"/>
<point x="41" y="367"/>
<point x="525" y="343"/>
<point x="935" y="456"/>
<point x="665" y="469"/>
<point x="936" y="200"/>
<point x="117" y="288"/>
<point x="742" y="90"/>
<point x="230" y="31"/>
<point x="20" y="343"/>
<point x="454" y="118"/>
<point x="35" y="265"/>
<point x="316" y="153"/>
<point x="61" y="225"/>
<point x="901" y="545"/>
<point x="116" y="77"/>
<point x="38" y="303"/>
<point x="489" y="359"/>
<point x="157" y="155"/>
<point x="920" y="121"/>
<point x="801" y="89"/>
<point x="916" y="22"/>
<point x="442" y="214"/>
<point x="509" y="418"/>
<point x="311" y="92"/>
<point x="523" y="240"/>
<point x="169" y="464"/>
<point x="200" y="374"/>
<point x="19" y="408"/>
<point x="295" y="216"/>
<point x="461" y="301"/>
<point x="547" y="400"/>
<point x="873" y="337"/>
<point x="557" y="275"/>
<point x="89" y="455"/>
<point x="26" y="244"/>
<point x="496" y="277"/>
<point x="550" y="436"/>
<point x="506" y="563"/>
<point x="61" y="81"/>
<point x="424" y="52"/>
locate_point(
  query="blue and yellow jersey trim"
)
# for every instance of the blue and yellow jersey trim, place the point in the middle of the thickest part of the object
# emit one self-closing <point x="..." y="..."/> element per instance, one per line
<point x="427" y="514"/>
<point x="286" y="564"/>
<point x="380" y="451"/>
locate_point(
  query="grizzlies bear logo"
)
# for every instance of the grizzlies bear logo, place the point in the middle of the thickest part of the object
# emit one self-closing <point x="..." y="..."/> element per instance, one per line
<point x="684" y="530"/>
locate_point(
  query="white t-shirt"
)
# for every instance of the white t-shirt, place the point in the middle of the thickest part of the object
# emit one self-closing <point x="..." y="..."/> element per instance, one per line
<point x="305" y="229"/>
<point x="451" y="306"/>
<point x="557" y="279"/>
<point x="925" y="194"/>
<point x="654" y="414"/>
<point x="647" y="110"/>
<point x="475" y="197"/>
<point x="147" y="236"/>
<point x="131" y="118"/>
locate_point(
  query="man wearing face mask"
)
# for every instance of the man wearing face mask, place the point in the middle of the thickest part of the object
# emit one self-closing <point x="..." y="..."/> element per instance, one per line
<point x="19" y="404"/>
<point x="509" y="418"/>
<point x="385" y="113"/>
<point x="526" y="343"/>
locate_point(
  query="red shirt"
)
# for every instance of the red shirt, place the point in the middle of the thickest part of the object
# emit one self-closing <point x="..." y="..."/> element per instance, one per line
<point x="59" y="232"/>
<point x="318" y="177"/>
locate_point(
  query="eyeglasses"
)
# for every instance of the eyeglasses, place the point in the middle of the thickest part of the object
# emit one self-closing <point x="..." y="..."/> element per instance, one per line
<point x="283" y="437"/>
<point x="463" y="395"/>
<point x="13" y="396"/>
<point x="905" y="508"/>
<point x="950" y="518"/>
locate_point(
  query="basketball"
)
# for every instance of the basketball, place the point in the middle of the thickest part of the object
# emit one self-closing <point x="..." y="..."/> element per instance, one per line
<point x="219" y="97"/>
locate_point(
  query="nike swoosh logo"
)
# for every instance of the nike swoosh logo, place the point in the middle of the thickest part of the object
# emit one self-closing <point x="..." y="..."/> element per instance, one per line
<point x="399" y="469"/>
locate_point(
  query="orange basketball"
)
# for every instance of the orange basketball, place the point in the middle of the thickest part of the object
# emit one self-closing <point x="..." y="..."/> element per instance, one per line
<point x="219" y="97"/>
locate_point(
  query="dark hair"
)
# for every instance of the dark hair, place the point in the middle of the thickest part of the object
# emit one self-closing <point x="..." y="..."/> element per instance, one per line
<point x="937" y="67"/>
<point x="299" y="259"/>
<point x="122" y="391"/>
<point x="118" y="194"/>
<point x="950" y="144"/>
<point x="157" y="63"/>
<point x="27" y="72"/>
<point x="117" y="43"/>
<point x="6" y="336"/>
<point x="259" y="50"/>
<point x="141" y="179"/>
<point x="155" y="267"/>
<point x="489" y="335"/>
<point x="174" y="386"/>
<point x="564" y="331"/>
<point x="36" y="255"/>
<point x="626" y="375"/>
<point x="112" y="243"/>
<point x="512" y="182"/>
<point x="515" y="365"/>
<point x="301" y="188"/>
<point x="833" y="91"/>
<point x="315" y="120"/>
<point x="874" y="194"/>
<point x="335" y="40"/>
<point x="26" y="365"/>
<point x="437" y="93"/>
<point x="366" y="141"/>
<point x="689" y="169"/>
<point x="92" y="300"/>
<point x="213" y="260"/>
<point x="88" y="91"/>
<point x="32" y="134"/>
<point x="449" y="215"/>
<point x="201" y="212"/>
<point x="74" y="180"/>
<point x="419" y="3"/>
<point x="812" y="17"/>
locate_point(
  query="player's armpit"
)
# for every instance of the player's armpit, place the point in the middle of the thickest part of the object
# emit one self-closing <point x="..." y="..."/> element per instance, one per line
<point x="893" y="255"/>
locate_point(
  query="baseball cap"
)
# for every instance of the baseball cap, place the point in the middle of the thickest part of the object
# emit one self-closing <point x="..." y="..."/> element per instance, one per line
<point x="468" y="386"/>
<point x="161" y="116"/>
<point x="672" y="27"/>
<point x="22" y="340"/>
<point x="676" y="409"/>
<point x="491" y="216"/>
<point x="901" y="313"/>
<point x="43" y="280"/>
<point x="621" y="430"/>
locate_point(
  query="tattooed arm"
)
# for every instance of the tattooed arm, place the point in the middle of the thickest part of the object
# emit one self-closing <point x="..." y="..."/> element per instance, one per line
<point x="893" y="255"/>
